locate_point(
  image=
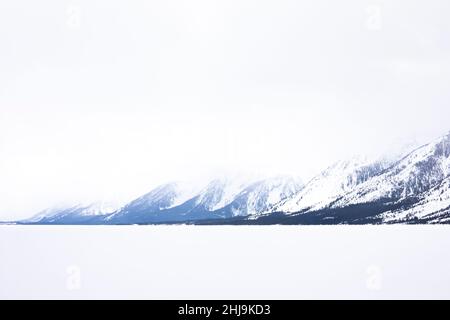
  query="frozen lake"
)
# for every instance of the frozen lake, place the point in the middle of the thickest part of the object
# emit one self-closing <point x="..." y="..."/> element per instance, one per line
<point x="188" y="262"/>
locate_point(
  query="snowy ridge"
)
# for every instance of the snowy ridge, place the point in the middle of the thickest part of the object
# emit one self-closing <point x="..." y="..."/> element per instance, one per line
<point x="164" y="197"/>
<point x="417" y="172"/>
<point x="167" y="196"/>
<point x="221" y="192"/>
<point x="262" y="196"/>
<point x="337" y="180"/>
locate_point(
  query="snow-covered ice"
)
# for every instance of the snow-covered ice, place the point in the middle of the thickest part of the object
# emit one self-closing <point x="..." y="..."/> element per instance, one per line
<point x="188" y="262"/>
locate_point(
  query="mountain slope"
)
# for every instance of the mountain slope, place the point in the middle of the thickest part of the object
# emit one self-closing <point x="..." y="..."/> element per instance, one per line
<point x="418" y="172"/>
<point x="158" y="200"/>
<point x="220" y="193"/>
<point x="433" y="206"/>
<point x="262" y="196"/>
<point x="337" y="180"/>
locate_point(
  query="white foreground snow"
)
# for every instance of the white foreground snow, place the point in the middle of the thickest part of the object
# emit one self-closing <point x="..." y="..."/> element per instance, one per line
<point x="186" y="262"/>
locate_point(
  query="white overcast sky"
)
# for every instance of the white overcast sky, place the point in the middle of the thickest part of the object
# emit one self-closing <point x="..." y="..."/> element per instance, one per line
<point x="105" y="99"/>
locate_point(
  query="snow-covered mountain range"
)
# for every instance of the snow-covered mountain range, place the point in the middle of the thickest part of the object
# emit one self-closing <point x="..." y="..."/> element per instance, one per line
<point x="413" y="187"/>
<point x="227" y="197"/>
